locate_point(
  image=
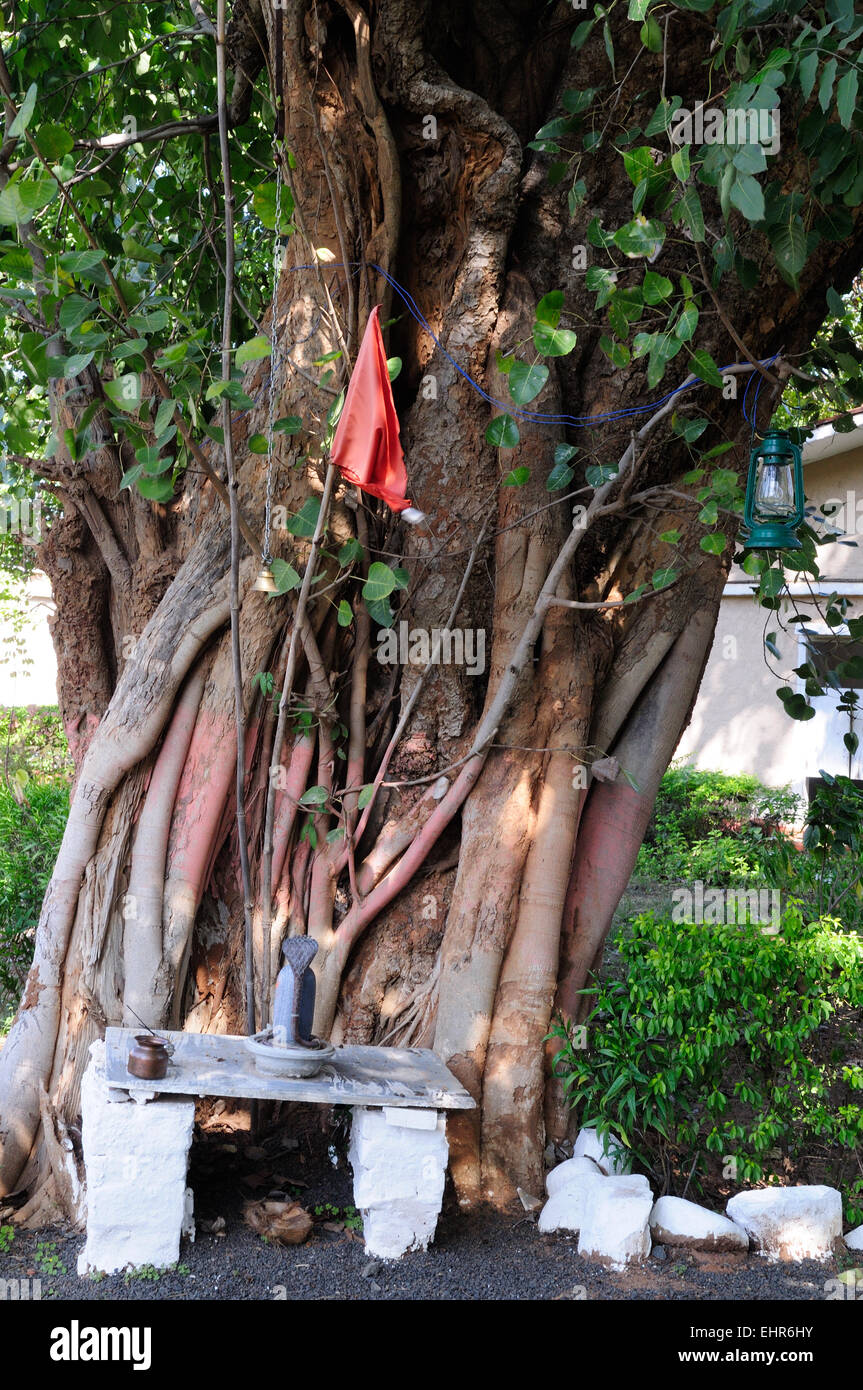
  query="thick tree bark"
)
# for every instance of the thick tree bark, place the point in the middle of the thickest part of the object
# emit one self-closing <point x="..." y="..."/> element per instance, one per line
<point x="473" y="895"/>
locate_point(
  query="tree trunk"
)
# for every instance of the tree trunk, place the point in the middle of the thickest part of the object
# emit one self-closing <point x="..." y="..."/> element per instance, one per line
<point x="479" y="886"/>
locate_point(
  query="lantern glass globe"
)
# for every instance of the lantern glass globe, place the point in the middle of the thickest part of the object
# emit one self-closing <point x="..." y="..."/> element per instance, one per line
<point x="774" y="490"/>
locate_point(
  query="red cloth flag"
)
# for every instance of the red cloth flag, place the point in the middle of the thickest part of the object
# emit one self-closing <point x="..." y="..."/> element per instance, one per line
<point x="366" y="447"/>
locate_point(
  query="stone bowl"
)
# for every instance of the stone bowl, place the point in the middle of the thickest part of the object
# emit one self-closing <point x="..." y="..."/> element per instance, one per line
<point x="288" y="1059"/>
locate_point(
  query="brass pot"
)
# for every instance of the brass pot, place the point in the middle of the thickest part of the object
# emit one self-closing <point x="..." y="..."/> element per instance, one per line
<point x="148" y="1057"/>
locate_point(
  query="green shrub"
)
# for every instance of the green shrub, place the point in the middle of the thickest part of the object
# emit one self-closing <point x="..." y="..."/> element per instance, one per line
<point x="827" y="875"/>
<point x="712" y="826"/>
<point x="33" y="739"/>
<point x="31" y="828"/>
<point x="724" y="1040"/>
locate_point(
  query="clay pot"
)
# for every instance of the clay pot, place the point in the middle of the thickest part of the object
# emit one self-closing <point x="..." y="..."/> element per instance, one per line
<point x="148" y="1057"/>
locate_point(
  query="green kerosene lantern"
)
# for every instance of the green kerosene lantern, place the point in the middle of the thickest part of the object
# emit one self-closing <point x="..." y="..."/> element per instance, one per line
<point x="774" y="494"/>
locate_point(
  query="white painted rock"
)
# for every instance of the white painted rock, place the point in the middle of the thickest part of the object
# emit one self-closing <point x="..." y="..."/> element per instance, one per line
<point x="567" y="1209"/>
<point x="615" y="1227"/>
<point x="677" y="1222"/>
<point x="790" y="1223"/>
<point x="854" y="1239"/>
<point x="609" y="1155"/>
<point x="565" y="1173"/>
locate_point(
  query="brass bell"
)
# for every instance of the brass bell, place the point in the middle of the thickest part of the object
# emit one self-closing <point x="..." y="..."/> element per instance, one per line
<point x="265" y="582"/>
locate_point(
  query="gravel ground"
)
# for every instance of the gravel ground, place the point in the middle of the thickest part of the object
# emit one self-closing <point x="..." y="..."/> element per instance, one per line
<point x="481" y="1256"/>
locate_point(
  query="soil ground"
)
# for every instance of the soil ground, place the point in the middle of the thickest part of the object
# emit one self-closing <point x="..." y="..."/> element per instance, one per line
<point x="479" y="1256"/>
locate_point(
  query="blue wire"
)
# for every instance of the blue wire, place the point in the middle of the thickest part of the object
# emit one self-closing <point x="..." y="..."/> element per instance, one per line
<point x="532" y="416"/>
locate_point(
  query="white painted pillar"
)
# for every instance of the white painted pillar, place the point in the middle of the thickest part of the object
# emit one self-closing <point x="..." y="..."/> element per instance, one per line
<point x="399" y="1159"/>
<point x="136" y="1157"/>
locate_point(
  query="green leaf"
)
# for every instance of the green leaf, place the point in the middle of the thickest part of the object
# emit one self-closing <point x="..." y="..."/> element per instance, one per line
<point x="596" y="474"/>
<point x="394" y="366"/>
<point x="680" y="163"/>
<point x="285" y="575"/>
<point x="772" y="583"/>
<point x="19" y="202"/>
<point x="603" y="282"/>
<point x="380" y="611"/>
<point x="806" y="73"/>
<point x="380" y="583"/>
<point x="663" y="577"/>
<point x="703" y="366"/>
<point x="549" y="308"/>
<point x="846" y="97"/>
<point x="365" y="796"/>
<point x="351" y="550"/>
<point x="663" y="115"/>
<point x="258" y="444"/>
<point x="314" y="796"/>
<point x="690" y="430"/>
<point x="25" y="111"/>
<point x="825" y="86"/>
<point x="553" y="342"/>
<point x="288" y="424"/>
<point x="640" y="237"/>
<point x="686" y="323"/>
<point x="80" y="262"/>
<point x="346" y="613"/>
<point x="526" y="382"/>
<point x="253" y="350"/>
<point x="789" y="242"/>
<point x="617" y="353"/>
<point x="581" y="33"/>
<point x="714" y="544"/>
<point x="264" y="204"/>
<point x="560" y="476"/>
<point x="53" y="142"/>
<point x="152" y="322"/>
<point x="517" y="478"/>
<point x="124" y="391"/>
<point x="164" y="416"/>
<point x="156" y="489"/>
<point x="131" y="475"/>
<point x="651" y="35"/>
<point x="690" y="211"/>
<point x="747" y="197"/>
<point x="655" y="287"/>
<point x="74" y="310"/>
<point x="136" y="251"/>
<point x="502" y="432"/>
<point x="306" y="519"/>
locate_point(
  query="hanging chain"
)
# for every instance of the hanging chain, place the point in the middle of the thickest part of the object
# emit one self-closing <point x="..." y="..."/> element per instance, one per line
<point x="278" y="256"/>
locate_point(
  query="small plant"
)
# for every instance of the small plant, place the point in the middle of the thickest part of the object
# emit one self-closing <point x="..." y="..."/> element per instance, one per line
<point x="96" y="1276"/>
<point x="854" y="1202"/>
<point x="148" y="1272"/>
<point x="348" y="1216"/>
<point x="353" y="1220"/>
<point x="7" y="1235"/>
<point x="47" y="1259"/>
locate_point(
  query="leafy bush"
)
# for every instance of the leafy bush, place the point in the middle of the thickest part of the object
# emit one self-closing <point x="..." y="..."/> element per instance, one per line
<point x="31" y="828"/>
<point x="712" y="826"/>
<point x="827" y="876"/>
<point x="32" y="739"/>
<point x="717" y="1042"/>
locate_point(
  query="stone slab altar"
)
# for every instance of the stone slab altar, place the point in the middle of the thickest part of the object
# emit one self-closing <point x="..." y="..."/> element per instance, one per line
<point x="206" y="1064"/>
<point x="136" y="1155"/>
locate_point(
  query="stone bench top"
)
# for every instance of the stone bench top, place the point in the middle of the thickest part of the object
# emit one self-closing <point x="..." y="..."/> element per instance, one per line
<point x="212" y="1064"/>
